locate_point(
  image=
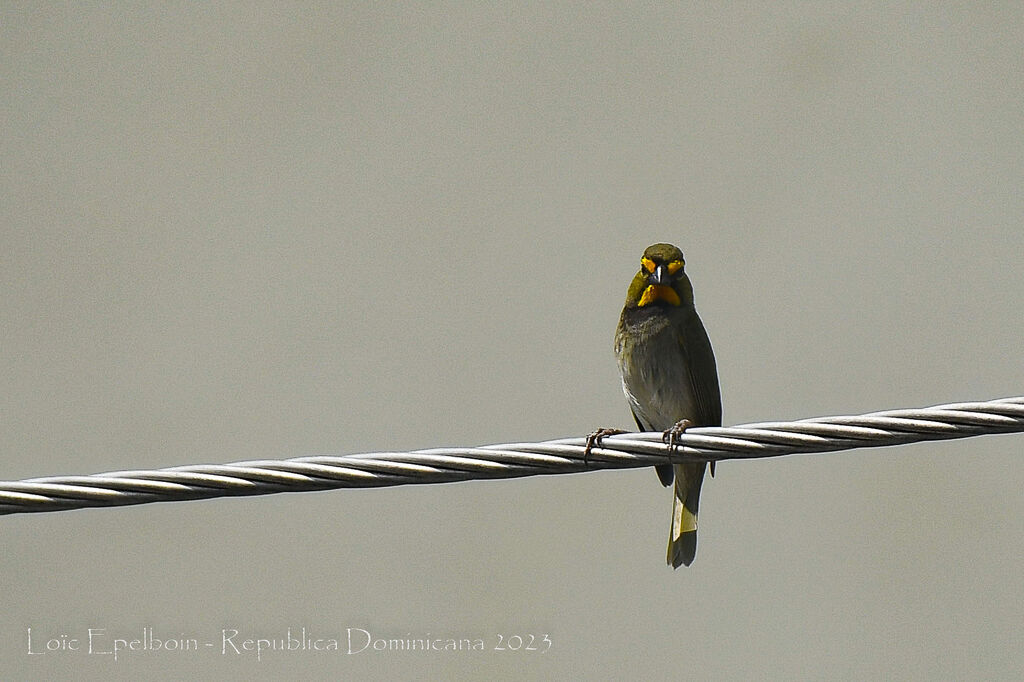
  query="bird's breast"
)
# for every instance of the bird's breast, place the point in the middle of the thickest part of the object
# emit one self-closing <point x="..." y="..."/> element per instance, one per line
<point x="655" y="376"/>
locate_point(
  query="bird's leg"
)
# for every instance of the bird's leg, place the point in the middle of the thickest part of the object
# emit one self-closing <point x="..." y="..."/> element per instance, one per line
<point x="594" y="440"/>
<point x="671" y="437"/>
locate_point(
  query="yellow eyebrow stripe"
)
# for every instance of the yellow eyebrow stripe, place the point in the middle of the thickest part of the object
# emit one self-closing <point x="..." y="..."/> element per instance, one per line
<point x="648" y="264"/>
<point x="674" y="266"/>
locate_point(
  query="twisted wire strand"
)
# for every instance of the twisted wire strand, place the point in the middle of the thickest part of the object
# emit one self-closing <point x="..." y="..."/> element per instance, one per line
<point x="444" y="465"/>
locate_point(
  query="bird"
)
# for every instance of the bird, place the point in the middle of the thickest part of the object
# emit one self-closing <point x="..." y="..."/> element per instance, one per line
<point x="669" y="378"/>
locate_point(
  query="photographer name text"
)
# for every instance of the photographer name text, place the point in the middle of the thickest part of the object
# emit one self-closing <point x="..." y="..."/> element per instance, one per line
<point x="100" y="641"/>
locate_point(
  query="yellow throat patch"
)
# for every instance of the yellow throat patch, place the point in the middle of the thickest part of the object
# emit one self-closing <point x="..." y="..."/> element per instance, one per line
<point x="658" y="292"/>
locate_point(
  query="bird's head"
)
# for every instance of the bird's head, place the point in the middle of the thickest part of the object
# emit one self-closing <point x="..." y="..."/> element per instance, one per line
<point x="661" y="280"/>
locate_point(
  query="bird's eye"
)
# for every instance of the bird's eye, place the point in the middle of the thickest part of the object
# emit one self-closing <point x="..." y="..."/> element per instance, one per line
<point x="674" y="267"/>
<point x="648" y="265"/>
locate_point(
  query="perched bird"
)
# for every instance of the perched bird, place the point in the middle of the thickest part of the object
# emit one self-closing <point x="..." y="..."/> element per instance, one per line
<point x="669" y="377"/>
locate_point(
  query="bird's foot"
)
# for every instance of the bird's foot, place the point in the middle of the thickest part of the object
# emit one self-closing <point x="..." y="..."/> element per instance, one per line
<point x="594" y="440"/>
<point x="671" y="436"/>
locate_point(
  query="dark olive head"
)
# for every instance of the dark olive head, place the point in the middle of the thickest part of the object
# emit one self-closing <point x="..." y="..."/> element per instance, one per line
<point x="661" y="280"/>
<point x="662" y="264"/>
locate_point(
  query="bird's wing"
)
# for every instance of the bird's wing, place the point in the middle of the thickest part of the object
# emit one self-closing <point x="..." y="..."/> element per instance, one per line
<point x="700" y="364"/>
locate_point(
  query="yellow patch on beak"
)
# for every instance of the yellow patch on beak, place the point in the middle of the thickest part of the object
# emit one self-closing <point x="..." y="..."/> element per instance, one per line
<point x="657" y="292"/>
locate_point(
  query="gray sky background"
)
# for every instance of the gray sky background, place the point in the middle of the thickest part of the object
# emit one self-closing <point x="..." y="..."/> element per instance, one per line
<point x="257" y="231"/>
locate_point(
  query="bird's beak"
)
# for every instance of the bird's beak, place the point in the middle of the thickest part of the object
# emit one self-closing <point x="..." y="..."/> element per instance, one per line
<point x="659" y="277"/>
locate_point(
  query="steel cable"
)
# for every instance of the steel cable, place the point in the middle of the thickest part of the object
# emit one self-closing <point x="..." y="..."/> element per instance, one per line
<point x="443" y="465"/>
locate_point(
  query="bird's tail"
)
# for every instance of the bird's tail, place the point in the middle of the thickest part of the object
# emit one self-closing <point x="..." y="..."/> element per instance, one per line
<point x="682" y="541"/>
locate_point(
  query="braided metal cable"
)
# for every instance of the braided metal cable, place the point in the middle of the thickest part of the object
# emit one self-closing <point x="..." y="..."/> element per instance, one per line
<point x="443" y="465"/>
